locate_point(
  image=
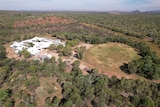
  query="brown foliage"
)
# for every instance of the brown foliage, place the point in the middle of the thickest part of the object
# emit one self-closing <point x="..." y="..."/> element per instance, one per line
<point x="40" y="21"/>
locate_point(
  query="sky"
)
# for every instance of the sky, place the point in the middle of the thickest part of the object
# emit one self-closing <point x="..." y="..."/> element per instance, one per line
<point x="81" y="5"/>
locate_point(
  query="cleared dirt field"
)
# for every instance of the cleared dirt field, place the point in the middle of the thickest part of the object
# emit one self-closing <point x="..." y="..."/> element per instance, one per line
<point x="109" y="57"/>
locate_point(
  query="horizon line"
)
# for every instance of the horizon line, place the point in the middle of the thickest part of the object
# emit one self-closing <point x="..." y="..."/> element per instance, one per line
<point x="80" y="10"/>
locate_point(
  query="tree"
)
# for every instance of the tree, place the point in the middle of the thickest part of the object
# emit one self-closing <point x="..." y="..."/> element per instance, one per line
<point x="67" y="103"/>
<point x="59" y="48"/>
<point x="147" y="102"/>
<point x="25" y="53"/>
<point x="93" y="71"/>
<point x="72" y="43"/>
<point x="89" y="93"/>
<point x="75" y="98"/>
<point x="32" y="83"/>
<point x="80" y="52"/>
<point x="3" y="96"/>
<point x="135" y="100"/>
<point x="53" y="47"/>
<point x="55" y="101"/>
<point x="48" y="101"/>
<point x="9" y="103"/>
<point x="75" y="69"/>
<point x="66" y="51"/>
<point x="30" y="44"/>
<point x="61" y="65"/>
<point x="2" y="51"/>
<point x="4" y="73"/>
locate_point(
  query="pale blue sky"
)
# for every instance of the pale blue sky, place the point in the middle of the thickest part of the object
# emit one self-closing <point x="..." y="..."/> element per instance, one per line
<point x="98" y="5"/>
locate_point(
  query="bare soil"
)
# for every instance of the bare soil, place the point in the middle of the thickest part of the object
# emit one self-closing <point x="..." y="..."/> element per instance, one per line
<point x="41" y="21"/>
<point x="10" y="52"/>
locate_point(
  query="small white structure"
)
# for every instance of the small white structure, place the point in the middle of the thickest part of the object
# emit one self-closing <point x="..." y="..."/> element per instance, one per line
<point x="43" y="57"/>
<point x="46" y="56"/>
<point x="34" y="45"/>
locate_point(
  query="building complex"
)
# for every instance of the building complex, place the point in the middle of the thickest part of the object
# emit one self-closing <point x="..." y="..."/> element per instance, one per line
<point x="34" y="45"/>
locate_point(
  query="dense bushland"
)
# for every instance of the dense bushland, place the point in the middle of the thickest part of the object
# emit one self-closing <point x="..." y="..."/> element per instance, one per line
<point x="20" y="80"/>
<point x="138" y="25"/>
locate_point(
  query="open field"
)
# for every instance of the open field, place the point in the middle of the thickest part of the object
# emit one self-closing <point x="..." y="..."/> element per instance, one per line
<point x="109" y="57"/>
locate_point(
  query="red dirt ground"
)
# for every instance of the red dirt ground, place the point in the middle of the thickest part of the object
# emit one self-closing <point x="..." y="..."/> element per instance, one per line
<point x="41" y="21"/>
<point x="10" y="52"/>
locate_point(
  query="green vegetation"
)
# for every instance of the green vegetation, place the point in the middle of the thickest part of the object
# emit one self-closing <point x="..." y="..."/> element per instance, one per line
<point x="106" y="56"/>
<point x="145" y="53"/>
<point x="30" y="44"/>
<point x="64" y="51"/>
<point x="138" y="25"/>
<point x="72" y="43"/>
<point x="32" y="83"/>
<point x="80" y="52"/>
<point x="26" y="83"/>
<point x="3" y="95"/>
<point x="25" y="53"/>
<point x="2" y="51"/>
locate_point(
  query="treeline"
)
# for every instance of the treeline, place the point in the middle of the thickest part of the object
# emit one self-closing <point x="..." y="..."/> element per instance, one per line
<point x="137" y="25"/>
<point x="83" y="36"/>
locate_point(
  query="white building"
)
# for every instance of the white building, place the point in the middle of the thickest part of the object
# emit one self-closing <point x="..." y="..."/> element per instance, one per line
<point x="34" y="45"/>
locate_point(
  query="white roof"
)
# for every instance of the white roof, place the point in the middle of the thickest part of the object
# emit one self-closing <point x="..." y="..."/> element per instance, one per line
<point x="38" y="44"/>
<point x="33" y="51"/>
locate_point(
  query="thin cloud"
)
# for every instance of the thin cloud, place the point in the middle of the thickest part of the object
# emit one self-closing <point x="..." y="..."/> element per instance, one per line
<point x="136" y="2"/>
<point x="99" y="5"/>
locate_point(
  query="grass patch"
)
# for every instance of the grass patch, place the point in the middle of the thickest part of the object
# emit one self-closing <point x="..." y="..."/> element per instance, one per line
<point x="110" y="56"/>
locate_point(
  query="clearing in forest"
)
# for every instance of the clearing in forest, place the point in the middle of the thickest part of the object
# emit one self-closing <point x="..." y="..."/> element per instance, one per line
<point x="108" y="58"/>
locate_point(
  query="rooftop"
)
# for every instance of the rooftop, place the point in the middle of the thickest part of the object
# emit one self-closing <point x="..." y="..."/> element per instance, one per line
<point x="34" y="45"/>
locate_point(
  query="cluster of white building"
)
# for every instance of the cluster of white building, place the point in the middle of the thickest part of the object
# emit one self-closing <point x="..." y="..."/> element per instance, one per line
<point x="35" y="45"/>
